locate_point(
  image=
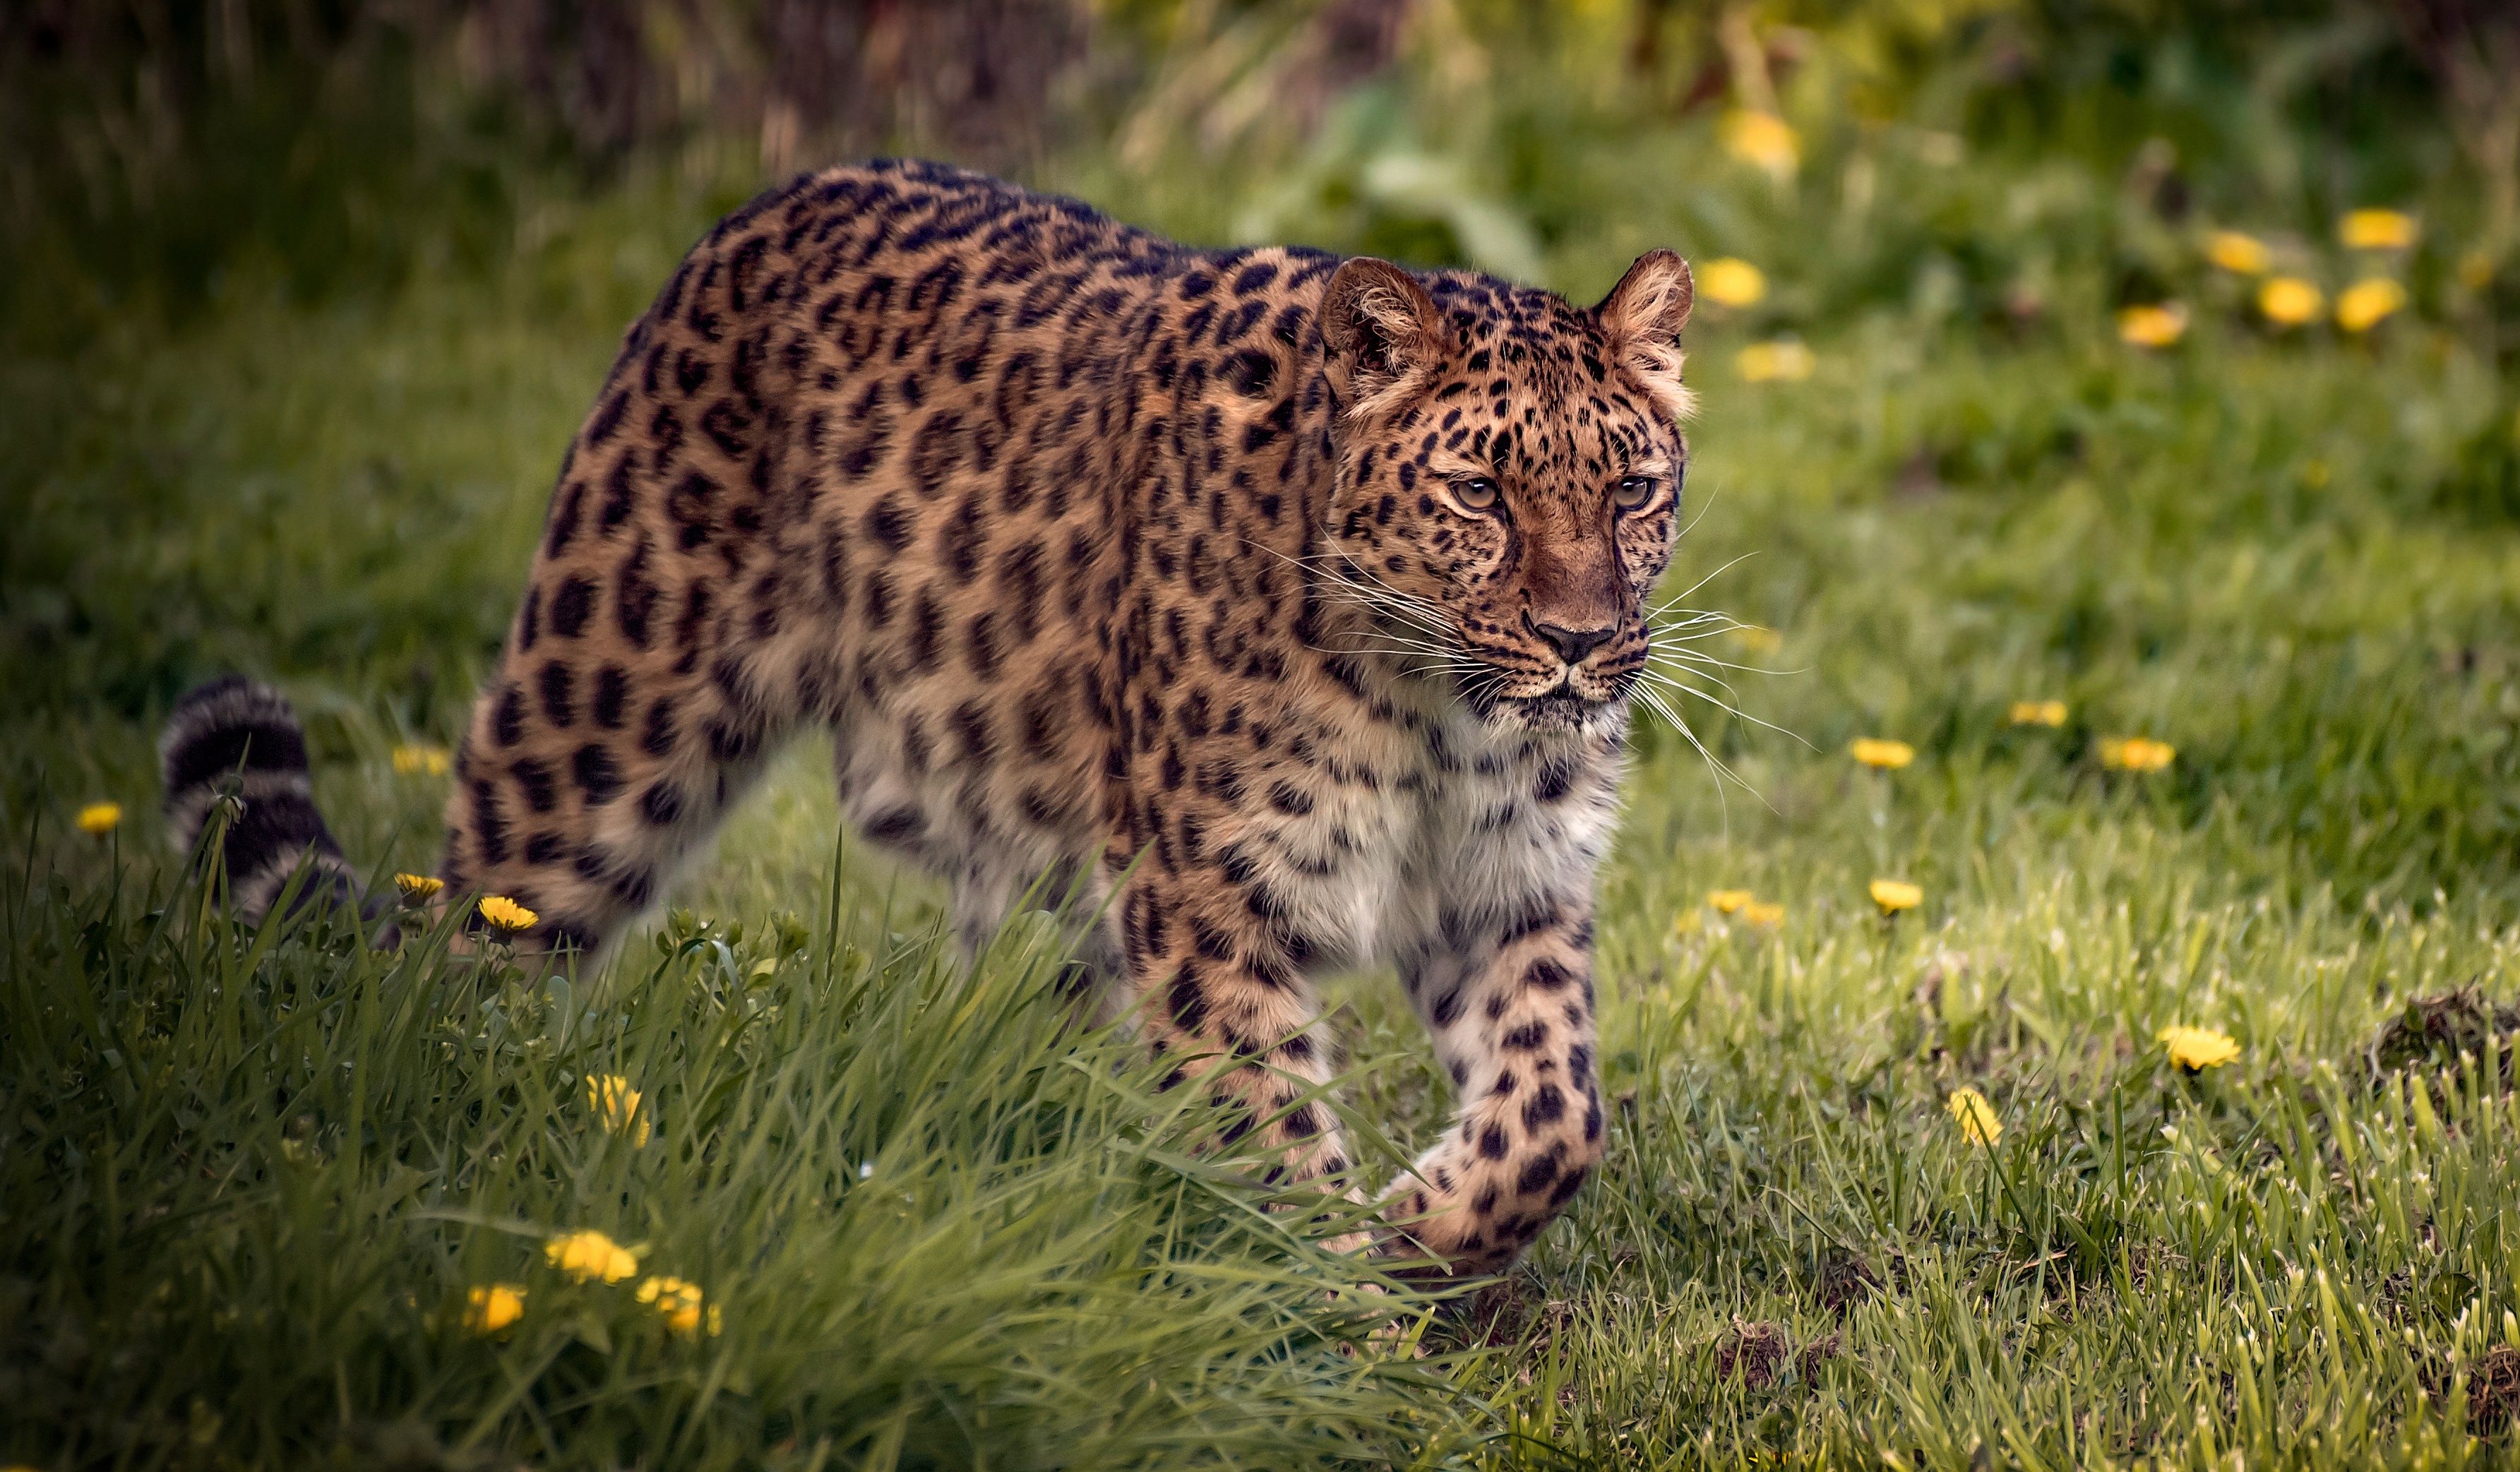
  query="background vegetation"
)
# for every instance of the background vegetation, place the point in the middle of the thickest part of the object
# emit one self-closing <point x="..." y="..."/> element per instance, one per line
<point x="303" y="299"/>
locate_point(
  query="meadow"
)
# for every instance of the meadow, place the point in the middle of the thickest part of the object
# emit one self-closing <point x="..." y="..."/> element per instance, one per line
<point x="1897" y="1177"/>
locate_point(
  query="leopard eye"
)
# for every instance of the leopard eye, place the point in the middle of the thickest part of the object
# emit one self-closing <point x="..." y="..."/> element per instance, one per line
<point x="1633" y="491"/>
<point x="1477" y="492"/>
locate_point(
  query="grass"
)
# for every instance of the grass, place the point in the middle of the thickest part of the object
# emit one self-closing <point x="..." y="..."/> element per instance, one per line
<point x="251" y="1180"/>
<point x="257" y="1181"/>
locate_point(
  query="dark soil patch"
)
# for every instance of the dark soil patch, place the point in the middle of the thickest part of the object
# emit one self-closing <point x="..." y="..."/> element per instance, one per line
<point x="1758" y="1355"/>
<point x="1845" y="1281"/>
<point x="2493" y="1389"/>
<point x="1754" y="1352"/>
<point x="2438" y="1029"/>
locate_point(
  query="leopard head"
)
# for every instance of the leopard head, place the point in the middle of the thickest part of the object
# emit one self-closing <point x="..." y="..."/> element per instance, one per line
<point x="1509" y="470"/>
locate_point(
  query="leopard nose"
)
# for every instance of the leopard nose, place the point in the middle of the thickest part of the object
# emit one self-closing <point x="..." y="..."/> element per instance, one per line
<point x="1572" y="645"/>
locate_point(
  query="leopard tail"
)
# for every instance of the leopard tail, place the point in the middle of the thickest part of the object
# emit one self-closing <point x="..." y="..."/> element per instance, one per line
<point x="237" y="739"/>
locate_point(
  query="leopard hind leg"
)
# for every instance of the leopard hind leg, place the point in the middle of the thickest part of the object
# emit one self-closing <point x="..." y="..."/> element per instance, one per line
<point x="590" y="776"/>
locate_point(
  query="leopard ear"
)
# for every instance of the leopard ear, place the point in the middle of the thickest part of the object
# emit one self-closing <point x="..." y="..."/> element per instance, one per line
<point x="1641" y="318"/>
<point x="1379" y="331"/>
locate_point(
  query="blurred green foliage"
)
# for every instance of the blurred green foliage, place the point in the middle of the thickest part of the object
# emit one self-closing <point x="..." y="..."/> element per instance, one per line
<point x="152" y="149"/>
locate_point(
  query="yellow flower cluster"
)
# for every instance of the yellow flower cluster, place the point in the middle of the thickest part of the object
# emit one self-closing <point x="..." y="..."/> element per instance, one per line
<point x="2378" y="230"/>
<point x="2365" y="302"/>
<point x="1742" y="903"/>
<point x="2140" y="754"/>
<point x="488" y="1309"/>
<point x="100" y="817"/>
<point x="616" y="1105"/>
<point x="2137" y="754"/>
<point x="1731" y="282"/>
<point x="1977" y="1119"/>
<point x="412" y="761"/>
<point x="506" y="913"/>
<point x="2238" y="253"/>
<point x="1761" y="140"/>
<point x="1784" y="360"/>
<point x="2290" y="301"/>
<point x="2194" y="1049"/>
<point x="680" y="1301"/>
<point x="2156" y="326"/>
<point x="589" y="1255"/>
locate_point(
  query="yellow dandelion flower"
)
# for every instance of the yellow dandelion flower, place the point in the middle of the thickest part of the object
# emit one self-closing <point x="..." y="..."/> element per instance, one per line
<point x="2360" y="306"/>
<point x="1730" y="281"/>
<point x="2137" y="754"/>
<point x="2289" y="300"/>
<point x="417" y="888"/>
<point x="680" y="1301"/>
<point x="2238" y="253"/>
<point x="2153" y="326"/>
<point x="1977" y="1119"/>
<point x="2194" y="1048"/>
<point x="1895" y="894"/>
<point x="488" y="1309"/>
<point x="1727" y="900"/>
<point x="2038" y="712"/>
<point x="1765" y="915"/>
<point x="100" y="817"/>
<point x="1761" y="140"/>
<point x="1882" y="754"/>
<point x="1784" y="361"/>
<point x="616" y="1104"/>
<point x="586" y="1255"/>
<point x="1687" y="923"/>
<point x="506" y="913"/>
<point x="412" y="761"/>
<point x="2377" y="230"/>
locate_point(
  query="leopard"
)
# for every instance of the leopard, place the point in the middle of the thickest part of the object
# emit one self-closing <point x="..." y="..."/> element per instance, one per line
<point x="1287" y="609"/>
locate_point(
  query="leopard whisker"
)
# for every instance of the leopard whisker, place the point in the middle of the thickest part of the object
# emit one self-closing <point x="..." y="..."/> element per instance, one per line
<point x="1673" y="678"/>
<point x="1668" y="683"/>
<point x="1715" y="764"/>
<point x="1701" y="658"/>
<point x="1710" y="577"/>
<point x="1366" y="576"/>
<point x="1703" y="508"/>
<point x="1355" y="585"/>
<point x="1724" y="623"/>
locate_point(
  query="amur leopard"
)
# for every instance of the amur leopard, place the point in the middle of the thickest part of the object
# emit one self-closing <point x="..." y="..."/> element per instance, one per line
<point x="1286" y="606"/>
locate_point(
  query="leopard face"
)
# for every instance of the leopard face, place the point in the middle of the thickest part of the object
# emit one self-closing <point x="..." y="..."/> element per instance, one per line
<point x="1510" y="477"/>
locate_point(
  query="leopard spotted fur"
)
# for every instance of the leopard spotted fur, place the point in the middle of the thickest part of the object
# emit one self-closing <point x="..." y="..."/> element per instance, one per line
<point x="1286" y="606"/>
